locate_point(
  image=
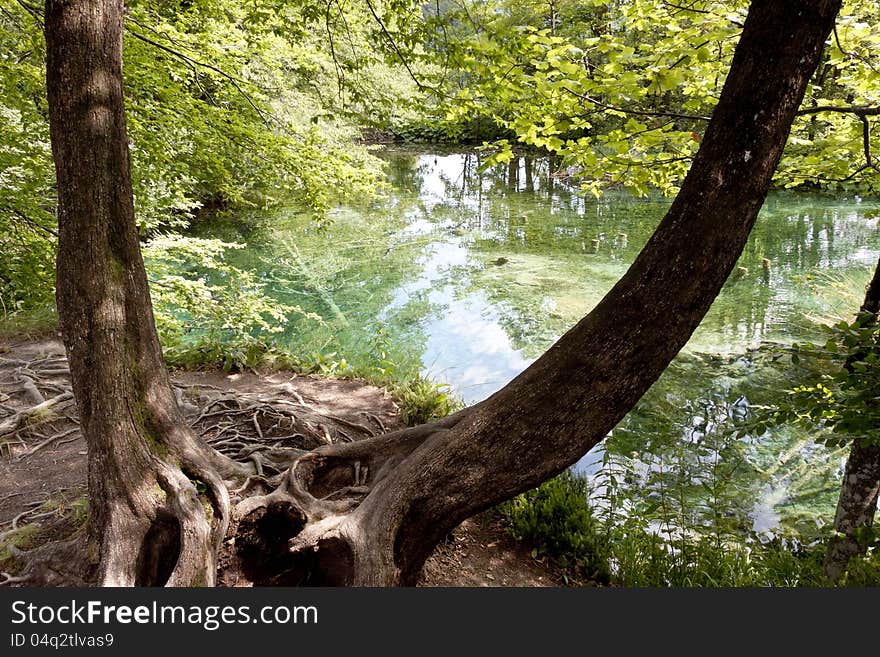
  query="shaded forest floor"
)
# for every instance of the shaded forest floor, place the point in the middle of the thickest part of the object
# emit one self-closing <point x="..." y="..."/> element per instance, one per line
<point x="43" y="456"/>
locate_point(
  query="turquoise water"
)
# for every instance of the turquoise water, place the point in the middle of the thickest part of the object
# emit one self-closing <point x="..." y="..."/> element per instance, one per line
<point x="472" y="274"/>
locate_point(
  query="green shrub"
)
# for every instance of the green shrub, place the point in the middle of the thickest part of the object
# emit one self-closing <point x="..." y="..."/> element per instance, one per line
<point x="556" y="517"/>
<point x="421" y="400"/>
<point x="558" y="520"/>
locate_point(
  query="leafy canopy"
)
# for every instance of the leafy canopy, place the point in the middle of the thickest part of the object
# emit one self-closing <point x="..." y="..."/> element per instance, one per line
<point x="622" y="91"/>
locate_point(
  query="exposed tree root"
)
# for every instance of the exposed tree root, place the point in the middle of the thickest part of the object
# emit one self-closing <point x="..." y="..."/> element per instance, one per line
<point x="50" y="440"/>
<point x="308" y="471"/>
<point x="35" y="414"/>
<point x="9" y="579"/>
<point x="301" y="533"/>
<point x="55" y="554"/>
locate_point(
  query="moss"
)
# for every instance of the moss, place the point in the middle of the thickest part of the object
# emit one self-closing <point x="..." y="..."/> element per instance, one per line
<point x="201" y="578"/>
<point x="207" y="506"/>
<point x="79" y="510"/>
<point x="93" y="552"/>
<point x="155" y="445"/>
<point x="118" y="268"/>
<point x="23" y="538"/>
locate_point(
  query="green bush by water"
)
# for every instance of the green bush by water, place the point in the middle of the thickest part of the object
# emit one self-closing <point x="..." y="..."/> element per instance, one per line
<point x="556" y="517"/>
<point x="559" y="521"/>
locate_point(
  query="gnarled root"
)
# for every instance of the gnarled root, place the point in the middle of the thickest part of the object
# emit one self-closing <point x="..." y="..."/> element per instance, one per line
<point x="174" y="521"/>
<point x="302" y="532"/>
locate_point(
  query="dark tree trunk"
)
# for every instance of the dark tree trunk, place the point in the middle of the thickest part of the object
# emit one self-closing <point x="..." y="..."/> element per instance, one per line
<point x="859" y="490"/>
<point x="407" y="494"/>
<point x="147" y="523"/>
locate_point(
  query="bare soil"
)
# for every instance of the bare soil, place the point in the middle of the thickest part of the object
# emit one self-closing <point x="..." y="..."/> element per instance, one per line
<point x="43" y="458"/>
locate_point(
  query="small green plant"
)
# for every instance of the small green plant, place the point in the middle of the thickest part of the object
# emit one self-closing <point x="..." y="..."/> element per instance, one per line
<point x="558" y="520"/>
<point x="422" y="400"/>
<point x="79" y="510"/>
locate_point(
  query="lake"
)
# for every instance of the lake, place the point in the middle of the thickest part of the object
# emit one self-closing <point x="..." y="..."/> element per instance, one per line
<point x="471" y="274"/>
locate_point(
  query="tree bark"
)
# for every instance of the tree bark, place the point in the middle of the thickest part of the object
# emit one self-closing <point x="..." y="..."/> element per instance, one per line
<point x="860" y="488"/>
<point x="569" y="399"/>
<point x="148" y="523"/>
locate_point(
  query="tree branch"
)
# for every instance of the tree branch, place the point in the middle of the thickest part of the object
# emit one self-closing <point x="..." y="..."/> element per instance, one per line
<point x="232" y="79"/>
<point x="857" y="110"/>
<point x="690" y="7"/>
<point x="866" y="142"/>
<point x="32" y="222"/>
<point x="614" y="108"/>
<point x="421" y="85"/>
<point x="33" y="10"/>
<point x="862" y="59"/>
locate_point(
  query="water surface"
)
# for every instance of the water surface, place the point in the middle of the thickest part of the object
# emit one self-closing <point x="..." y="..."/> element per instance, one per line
<point x="472" y="274"/>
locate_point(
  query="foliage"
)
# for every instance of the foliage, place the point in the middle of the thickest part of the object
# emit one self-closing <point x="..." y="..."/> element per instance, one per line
<point x="646" y="559"/>
<point x="27" y="240"/>
<point x="560" y="521"/>
<point x="623" y="90"/>
<point x="844" y="399"/>
<point x="255" y="104"/>
<point x="255" y="130"/>
<point x="228" y="105"/>
<point x="834" y="370"/>
<point x="202" y="301"/>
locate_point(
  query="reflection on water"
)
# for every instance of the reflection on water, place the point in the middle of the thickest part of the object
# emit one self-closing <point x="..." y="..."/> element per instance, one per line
<point x="473" y="274"/>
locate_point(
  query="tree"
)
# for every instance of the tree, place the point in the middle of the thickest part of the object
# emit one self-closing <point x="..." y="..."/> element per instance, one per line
<point x="370" y="512"/>
<point x="143" y="459"/>
<point x="623" y="90"/>
<point x="860" y="488"/>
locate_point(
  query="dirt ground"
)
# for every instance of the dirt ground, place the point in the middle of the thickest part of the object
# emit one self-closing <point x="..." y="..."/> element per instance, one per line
<point x="43" y="455"/>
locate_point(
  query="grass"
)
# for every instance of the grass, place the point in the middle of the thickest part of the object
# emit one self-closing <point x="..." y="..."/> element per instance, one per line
<point x="36" y="323"/>
<point x="420" y="400"/>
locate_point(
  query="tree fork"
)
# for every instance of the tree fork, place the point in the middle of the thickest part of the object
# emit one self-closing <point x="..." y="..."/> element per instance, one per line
<point x="142" y="457"/>
<point x="291" y="536"/>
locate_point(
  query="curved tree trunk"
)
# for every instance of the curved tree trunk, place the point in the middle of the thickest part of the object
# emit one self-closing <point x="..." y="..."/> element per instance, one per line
<point x="857" y="503"/>
<point x="148" y="524"/>
<point x="396" y="508"/>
